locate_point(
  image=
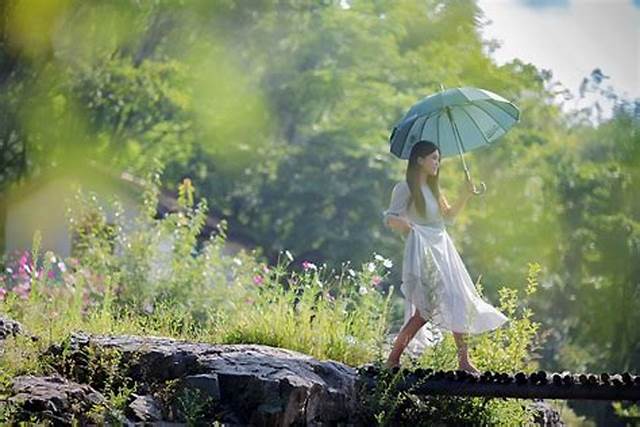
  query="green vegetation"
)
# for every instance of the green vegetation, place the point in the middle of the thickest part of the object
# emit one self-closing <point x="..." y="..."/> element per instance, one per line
<point x="279" y="113"/>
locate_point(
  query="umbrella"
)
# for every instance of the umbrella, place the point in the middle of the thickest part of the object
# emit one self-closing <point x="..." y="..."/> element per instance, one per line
<point x="458" y="120"/>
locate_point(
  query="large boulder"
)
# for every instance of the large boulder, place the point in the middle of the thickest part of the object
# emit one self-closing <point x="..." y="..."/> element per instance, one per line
<point x="249" y="384"/>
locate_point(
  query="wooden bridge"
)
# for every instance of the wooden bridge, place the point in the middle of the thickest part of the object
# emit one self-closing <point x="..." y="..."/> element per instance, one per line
<point x="521" y="385"/>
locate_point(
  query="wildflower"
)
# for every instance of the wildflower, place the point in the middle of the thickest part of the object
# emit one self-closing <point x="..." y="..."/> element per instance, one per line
<point x="386" y="262"/>
<point x="363" y="290"/>
<point x="371" y="267"/>
<point x="288" y="254"/>
<point x="265" y="269"/>
<point x="51" y="275"/>
<point x="257" y="280"/>
<point x="3" y="293"/>
<point x="376" y="280"/>
<point x="350" y="339"/>
<point x="351" y="272"/>
<point x="22" y="290"/>
<point x="237" y="261"/>
<point x="62" y="267"/>
<point x="306" y="265"/>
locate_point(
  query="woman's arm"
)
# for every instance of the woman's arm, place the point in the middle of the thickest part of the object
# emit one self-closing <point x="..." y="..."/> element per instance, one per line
<point x="465" y="194"/>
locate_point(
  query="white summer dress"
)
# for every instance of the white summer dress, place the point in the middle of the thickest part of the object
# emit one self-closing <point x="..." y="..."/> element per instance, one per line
<point x="434" y="279"/>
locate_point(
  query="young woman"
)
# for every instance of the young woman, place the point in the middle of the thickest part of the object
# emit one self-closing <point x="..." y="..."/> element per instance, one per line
<point x="435" y="282"/>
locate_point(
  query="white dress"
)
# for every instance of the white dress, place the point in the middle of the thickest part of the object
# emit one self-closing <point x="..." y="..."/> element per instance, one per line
<point x="434" y="278"/>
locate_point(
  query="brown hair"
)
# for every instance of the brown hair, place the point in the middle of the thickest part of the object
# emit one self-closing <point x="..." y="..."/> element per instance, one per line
<point x="422" y="149"/>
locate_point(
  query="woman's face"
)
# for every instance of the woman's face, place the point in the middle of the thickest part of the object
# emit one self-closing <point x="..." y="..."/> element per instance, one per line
<point x="430" y="163"/>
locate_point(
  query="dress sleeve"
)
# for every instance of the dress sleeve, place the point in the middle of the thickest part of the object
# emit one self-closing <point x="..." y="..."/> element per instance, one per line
<point x="399" y="201"/>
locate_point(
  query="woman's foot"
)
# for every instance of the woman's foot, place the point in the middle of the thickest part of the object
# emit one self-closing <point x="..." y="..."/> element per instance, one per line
<point x="468" y="366"/>
<point x="391" y="363"/>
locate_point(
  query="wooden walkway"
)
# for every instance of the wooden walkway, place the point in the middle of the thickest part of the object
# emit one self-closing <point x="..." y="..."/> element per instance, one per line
<point x="521" y="385"/>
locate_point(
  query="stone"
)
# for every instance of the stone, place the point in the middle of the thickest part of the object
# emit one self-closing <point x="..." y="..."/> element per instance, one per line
<point x="146" y="408"/>
<point x="53" y="398"/>
<point x="251" y="384"/>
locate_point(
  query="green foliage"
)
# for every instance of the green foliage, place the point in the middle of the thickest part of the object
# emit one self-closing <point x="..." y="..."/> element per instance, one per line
<point x="279" y="113"/>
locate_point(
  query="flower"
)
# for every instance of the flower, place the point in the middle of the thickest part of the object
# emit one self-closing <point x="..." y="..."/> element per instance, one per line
<point x="288" y="254"/>
<point x="371" y="267"/>
<point x="3" y="293"/>
<point x="307" y="265"/>
<point x="363" y="290"/>
<point x="257" y="280"/>
<point x="22" y="290"/>
<point x="351" y="272"/>
<point x="386" y="262"/>
<point x="376" y="280"/>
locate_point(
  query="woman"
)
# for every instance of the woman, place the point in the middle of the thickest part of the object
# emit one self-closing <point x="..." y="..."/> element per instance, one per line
<point x="435" y="282"/>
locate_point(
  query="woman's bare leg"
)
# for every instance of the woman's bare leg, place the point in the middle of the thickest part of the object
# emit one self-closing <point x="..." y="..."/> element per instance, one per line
<point x="463" y="354"/>
<point x="404" y="336"/>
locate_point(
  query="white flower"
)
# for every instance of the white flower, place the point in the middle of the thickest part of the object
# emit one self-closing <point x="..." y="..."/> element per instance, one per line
<point x="237" y="261"/>
<point x="363" y="290"/>
<point x="371" y="267"/>
<point x="288" y="254"/>
<point x="379" y="257"/>
<point x="62" y="267"/>
<point x="351" y="272"/>
<point x="387" y="263"/>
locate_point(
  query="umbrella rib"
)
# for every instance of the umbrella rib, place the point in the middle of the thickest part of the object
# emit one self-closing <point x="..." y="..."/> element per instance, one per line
<point x="424" y="124"/>
<point x="438" y="129"/>
<point x="476" y="125"/>
<point x="485" y="111"/>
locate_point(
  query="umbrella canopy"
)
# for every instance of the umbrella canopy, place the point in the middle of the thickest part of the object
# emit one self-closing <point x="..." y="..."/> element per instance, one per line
<point x="458" y="120"/>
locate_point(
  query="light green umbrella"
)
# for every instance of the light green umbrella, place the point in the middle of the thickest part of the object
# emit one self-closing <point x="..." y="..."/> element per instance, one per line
<point x="458" y="120"/>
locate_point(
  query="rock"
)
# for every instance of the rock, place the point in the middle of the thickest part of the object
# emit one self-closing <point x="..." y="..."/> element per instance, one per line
<point x="12" y="328"/>
<point x="146" y="408"/>
<point x="9" y="328"/>
<point x="545" y="415"/>
<point x="208" y="384"/>
<point x="53" y="399"/>
<point x="250" y="384"/>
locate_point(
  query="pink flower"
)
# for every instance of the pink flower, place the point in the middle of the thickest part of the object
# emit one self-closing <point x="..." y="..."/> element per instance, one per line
<point x="22" y="290"/>
<point x="51" y="274"/>
<point x="376" y="280"/>
<point x="265" y="269"/>
<point x="306" y="265"/>
<point x="257" y="280"/>
<point x="3" y="293"/>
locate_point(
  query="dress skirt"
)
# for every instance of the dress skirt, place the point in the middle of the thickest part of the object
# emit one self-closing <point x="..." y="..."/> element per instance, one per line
<point x="435" y="281"/>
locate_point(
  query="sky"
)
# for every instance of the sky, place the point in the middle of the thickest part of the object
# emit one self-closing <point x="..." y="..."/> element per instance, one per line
<point x="570" y="38"/>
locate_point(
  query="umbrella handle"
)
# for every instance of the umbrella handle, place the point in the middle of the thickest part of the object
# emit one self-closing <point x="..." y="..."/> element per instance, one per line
<point x="481" y="190"/>
<point x="476" y="190"/>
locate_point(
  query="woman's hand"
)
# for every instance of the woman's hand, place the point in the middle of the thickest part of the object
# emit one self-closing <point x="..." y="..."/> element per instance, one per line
<point x="466" y="190"/>
<point x="401" y="224"/>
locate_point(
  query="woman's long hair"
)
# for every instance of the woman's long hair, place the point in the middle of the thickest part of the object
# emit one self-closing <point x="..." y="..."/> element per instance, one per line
<point x="421" y="149"/>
